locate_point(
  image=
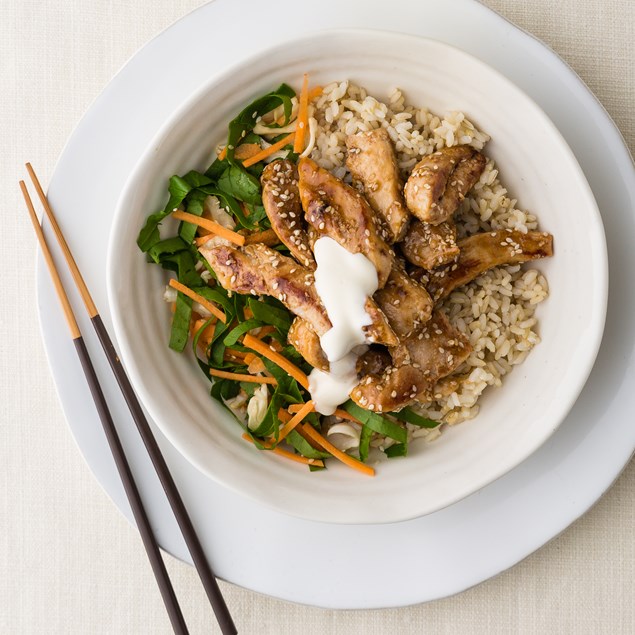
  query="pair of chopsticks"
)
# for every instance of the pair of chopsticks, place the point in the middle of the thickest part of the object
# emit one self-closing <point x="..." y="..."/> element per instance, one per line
<point x="176" y="503"/>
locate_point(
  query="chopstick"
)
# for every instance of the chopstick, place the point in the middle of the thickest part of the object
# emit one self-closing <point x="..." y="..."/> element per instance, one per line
<point x="138" y="511"/>
<point x="203" y="568"/>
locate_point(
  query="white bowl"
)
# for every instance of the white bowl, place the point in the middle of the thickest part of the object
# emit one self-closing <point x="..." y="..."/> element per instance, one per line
<point x="537" y="167"/>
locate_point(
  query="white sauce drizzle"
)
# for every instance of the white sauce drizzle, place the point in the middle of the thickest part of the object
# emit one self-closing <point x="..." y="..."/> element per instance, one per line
<point x="343" y="281"/>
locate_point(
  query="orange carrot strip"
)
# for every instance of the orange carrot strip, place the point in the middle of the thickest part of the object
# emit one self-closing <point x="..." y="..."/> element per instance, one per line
<point x="264" y="331"/>
<point x="246" y="151"/>
<point x="206" y="334"/>
<point x="289" y="455"/>
<point x="238" y="354"/>
<point x="303" y="112"/>
<point x="268" y="237"/>
<point x="223" y="153"/>
<point x="284" y="416"/>
<point x="214" y="227"/>
<point x="263" y="154"/>
<point x="238" y="377"/>
<point x="201" y="240"/>
<point x="175" y="284"/>
<point x="342" y="414"/>
<point x="315" y="92"/>
<point x="260" y="347"/>
<point x="306" y="408"/>
<point x="338" y="454"/>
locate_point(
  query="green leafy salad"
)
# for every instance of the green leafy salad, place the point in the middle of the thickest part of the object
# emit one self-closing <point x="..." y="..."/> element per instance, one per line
<point x="240" y="341"/>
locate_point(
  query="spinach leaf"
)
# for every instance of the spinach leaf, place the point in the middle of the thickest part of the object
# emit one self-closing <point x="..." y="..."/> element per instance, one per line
<point x="410" y="416"/>
<point x="240" y="330"/>
<point x="183" y="262"/>
<point x="195" y="204"/>
<point x="299" y="443"/>
<point x="364" y="443"/>
<point x="166" y="247"/>
<point x="399" y="449"/>
<point x="377" y="423"/>
<point x="223" y="389"/>
<point x="269" y="314"/>
<point x="237" y="182"/>
<point x="196" y="179"/>
<point x="178" y="188"/>
<point x="180" y="330"/>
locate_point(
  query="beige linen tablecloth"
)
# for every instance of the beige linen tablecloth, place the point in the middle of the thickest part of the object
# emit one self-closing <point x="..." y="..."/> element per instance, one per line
<point x="70" y="562"/>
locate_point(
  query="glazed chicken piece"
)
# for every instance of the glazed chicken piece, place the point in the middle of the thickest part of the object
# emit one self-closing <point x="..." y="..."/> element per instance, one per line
<point x="306" y="341"/>
<point x="373" y="362"/>
<point x="405" y="302"/>
<point x="373" y="165"/>
<point x="430" y="246"/>
<point x="281" y="199"/>
<point x="260" y="270"/>
<point x="380" y="331"/>
<point x="483" y="251"/>
<point x="337" y="210"/>
<point x="440" y="181"/>
<point x="418" y="363"/>
<point x="438" y="349"/>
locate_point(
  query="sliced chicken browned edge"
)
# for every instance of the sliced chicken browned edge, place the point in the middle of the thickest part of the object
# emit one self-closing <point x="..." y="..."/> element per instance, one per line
<point x="481" y="252"/>
<point x="281" y="200"/>
<point x="440" y="181"/>
<point x="373" y="165"/>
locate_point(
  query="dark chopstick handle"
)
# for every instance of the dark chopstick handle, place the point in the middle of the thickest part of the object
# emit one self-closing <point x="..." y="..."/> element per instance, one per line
<point x="138" y="511"/>
<point x="205" y="572"/>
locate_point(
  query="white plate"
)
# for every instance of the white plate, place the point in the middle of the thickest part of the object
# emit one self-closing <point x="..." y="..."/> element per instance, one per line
<point x="450" y="550"/>
<point x="513" y="421"/>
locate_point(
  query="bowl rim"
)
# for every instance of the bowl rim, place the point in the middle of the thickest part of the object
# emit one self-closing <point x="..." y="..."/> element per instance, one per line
<point x="597" y="236"/>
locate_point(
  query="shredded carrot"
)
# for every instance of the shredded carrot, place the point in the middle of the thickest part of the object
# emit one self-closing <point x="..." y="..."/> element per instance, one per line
<point x="284" y="415"/>
<point x="260" y="347"/>
<point x="263" y="154"/>
<point x="201" y="240"/>
<point x="244" y="207"/>
<point x="264" y="331"/>
<point x="338" y="454"/>
<point x="315" y="92"/>
<point x="211" y="225"/>
<point x="303" y="116"/>
<point x="236" y="353"/>
<point x="206" y="336"/>
<point x="175" y="284"/>
<point x="238" y="377"/>
<point x="342" y="414"/>
<point x="222" y="154"/>
<point x="268" y="237"/>
<point x="246" y="150"/>
<point x="290" y="455"/>
<point x="306" y="408"/>
<point x="173" y="307"/>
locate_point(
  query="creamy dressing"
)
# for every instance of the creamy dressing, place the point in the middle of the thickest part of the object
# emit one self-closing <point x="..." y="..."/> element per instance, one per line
<point x="343" y="281"/>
